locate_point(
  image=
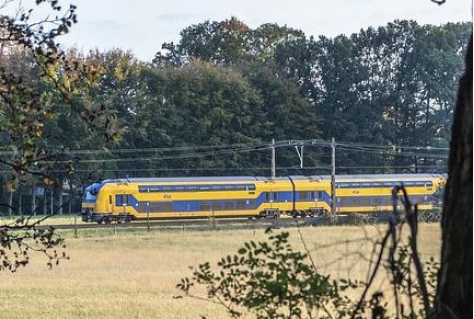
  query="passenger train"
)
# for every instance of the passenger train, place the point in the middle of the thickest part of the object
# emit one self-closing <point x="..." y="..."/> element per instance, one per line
<point x="124" y="200"/>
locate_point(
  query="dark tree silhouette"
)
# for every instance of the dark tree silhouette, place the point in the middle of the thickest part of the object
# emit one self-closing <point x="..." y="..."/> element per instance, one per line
<point x="454" y="292"/>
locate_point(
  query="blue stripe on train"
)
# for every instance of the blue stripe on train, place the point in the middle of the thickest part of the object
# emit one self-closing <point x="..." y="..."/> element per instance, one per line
<point x="282" y="197"/>
<point x="194" y="205"/>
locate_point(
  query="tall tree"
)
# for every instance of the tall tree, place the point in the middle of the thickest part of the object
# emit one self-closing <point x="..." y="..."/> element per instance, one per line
<point x="221" y="43"/>
<point x="226" y="43"/>
<point x="454" y="293"/>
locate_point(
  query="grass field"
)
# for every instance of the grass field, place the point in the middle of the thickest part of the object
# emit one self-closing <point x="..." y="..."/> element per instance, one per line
<point x="133" y="275"/>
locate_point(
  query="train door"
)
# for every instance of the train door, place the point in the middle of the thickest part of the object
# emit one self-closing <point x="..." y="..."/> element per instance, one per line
<point x="270" y="198"/>
<point x="121" y="203"/>
<point x="315" y="196"/>
<point x="110" y="204"/>
<point x="317" y="208"/>
<point x="271" y="205"/>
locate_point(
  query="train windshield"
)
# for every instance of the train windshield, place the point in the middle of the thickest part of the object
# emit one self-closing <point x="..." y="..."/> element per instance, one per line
<point x="90" y="193"/>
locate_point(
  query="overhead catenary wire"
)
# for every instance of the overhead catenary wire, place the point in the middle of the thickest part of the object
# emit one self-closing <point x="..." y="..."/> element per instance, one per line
<point x="199" y="152"/>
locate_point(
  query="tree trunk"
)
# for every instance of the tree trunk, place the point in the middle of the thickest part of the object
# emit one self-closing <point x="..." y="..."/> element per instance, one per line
<point x="454" y="291"/>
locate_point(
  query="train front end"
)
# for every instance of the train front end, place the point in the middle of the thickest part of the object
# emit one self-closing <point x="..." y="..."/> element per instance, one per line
<point x="88" y="201"/>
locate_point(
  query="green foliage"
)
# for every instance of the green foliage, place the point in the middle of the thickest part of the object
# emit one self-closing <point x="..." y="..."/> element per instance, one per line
<point x="226" y="43"/>
<point x="40" y="86"/>
<point x="273" y="281"/>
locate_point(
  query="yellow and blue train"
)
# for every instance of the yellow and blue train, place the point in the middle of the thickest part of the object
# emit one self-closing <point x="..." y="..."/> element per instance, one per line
<point x="124" y="200"/>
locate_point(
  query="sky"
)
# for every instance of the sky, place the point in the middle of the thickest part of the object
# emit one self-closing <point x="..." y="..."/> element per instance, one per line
<point x="142" y="26"/>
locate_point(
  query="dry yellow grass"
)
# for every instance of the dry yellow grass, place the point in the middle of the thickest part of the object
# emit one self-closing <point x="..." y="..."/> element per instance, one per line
<point x="134" y="276"/>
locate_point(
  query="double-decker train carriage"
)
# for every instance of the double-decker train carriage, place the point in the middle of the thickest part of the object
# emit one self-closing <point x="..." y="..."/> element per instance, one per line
<point x="194" y="197"/>
<point x="373" y="193"/>
<point x="125" y="200"/>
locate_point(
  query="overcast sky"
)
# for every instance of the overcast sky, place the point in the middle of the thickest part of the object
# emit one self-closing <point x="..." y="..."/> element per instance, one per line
<point x="141" y="26"/>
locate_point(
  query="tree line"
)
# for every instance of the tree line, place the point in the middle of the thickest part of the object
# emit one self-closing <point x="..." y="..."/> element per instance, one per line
<point x="212" y="103"/>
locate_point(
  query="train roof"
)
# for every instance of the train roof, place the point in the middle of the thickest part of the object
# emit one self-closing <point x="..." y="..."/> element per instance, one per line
<point x="389" y="176"/>
<point x="250" y="179"/>
<point x="371" y="177"/>
<point x="184" y="179"/>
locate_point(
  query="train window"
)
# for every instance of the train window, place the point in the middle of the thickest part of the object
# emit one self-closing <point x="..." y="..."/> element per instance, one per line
<point x="205" y="207"/>
<point x="343" y="201"/>
<point x="110" y="199"/>
<point x="365" y="201"/>
<point x="241" y="204"/>
<point x="154" y="207"/>
<point x="121" y="200"/>
<point x="217" y="206"/>
<point x="143" y="189"/>
<point x="142" y="207"/>
<point x="376" y="201"/>
<point x="303" y="195"/>
<point x="270" y="196"/>
<point x="167" y="206"/>
<point x="347" y="201"/>
<point x="229" y="205"/>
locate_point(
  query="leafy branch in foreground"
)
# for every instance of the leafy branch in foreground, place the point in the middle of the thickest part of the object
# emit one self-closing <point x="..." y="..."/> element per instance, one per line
<point x="22" y="237"/>
<point x="272" y="280"/>
<point x="39" y="84"/>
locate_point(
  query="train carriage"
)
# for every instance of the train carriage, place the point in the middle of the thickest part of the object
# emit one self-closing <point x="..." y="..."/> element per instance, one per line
<point x="197" y="197"/>
<point x="373" y="193"/>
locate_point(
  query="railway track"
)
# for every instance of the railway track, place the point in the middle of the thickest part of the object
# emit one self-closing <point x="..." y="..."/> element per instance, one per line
<point x="240" y="223"/>
<point x="223" y="223"/>
<point x="199" y="224"/>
